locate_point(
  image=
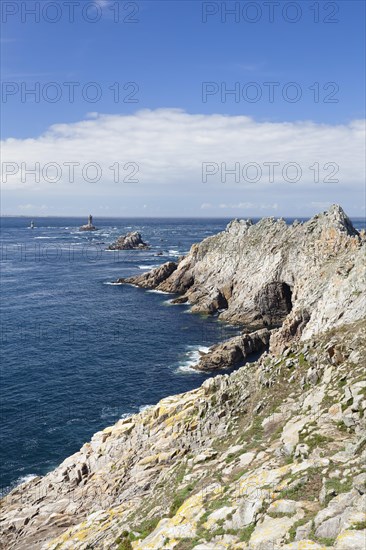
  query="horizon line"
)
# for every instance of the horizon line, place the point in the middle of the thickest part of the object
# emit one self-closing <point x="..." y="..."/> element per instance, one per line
<point x="166" y="217"/>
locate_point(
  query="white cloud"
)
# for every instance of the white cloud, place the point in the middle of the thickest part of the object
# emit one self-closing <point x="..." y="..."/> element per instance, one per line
<point x="245" y="205"/>
<point x="32" y="207"/>
<point x="160" y="155"/>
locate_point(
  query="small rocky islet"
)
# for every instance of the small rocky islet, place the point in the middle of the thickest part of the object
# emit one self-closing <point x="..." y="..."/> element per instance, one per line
<point x="270" y="456"/>
<point x="131" y="241"/>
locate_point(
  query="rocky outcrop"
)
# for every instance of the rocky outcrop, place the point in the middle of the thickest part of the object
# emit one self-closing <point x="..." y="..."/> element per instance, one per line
<point x="233" y="352"/>
<point x="87" y="228"/>
<point x="303" y="278"/>
<point x="131" y="241"/>
<point x="153" y="278"/>
<point x="269" y="457"/>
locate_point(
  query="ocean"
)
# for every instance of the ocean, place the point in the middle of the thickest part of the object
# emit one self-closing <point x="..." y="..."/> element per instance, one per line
<point x="78" y="352"/>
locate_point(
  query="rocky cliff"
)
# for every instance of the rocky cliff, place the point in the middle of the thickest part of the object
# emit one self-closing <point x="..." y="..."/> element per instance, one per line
<point x="304" y="278"/>
<point x="271" y="456"/>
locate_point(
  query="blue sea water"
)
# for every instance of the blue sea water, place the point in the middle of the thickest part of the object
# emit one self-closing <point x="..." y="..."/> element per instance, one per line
<point x="78" y="353"/>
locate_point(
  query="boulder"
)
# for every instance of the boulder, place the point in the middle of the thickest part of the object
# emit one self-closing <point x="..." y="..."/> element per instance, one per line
<point x="351" y="540"/>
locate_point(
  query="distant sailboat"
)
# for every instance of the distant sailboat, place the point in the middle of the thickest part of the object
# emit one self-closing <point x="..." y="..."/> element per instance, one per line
<point x="32" y="226"/>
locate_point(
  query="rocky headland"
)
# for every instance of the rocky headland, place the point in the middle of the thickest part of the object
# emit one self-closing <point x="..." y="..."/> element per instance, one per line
<point x="131" y="241"/>
<point x="271" y="456"/>
<point x="292" y="280"/>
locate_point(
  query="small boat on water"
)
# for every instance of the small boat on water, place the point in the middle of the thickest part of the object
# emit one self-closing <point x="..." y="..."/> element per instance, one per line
<point x="32" y="226"/>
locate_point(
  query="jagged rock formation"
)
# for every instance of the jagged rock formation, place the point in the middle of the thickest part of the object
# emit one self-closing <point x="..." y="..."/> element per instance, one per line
<point x="152" y="279"/>
<point x="234" y="351"/>
<point x="304" y="278"/>
<point x="131" y="241"/>
<point x="271" y="456"/>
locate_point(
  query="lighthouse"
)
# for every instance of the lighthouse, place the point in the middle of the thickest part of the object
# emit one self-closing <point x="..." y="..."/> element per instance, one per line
<point x="89" y="226"/>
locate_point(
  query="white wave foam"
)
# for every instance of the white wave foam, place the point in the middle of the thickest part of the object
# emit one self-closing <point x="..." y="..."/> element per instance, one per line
<point x="112" y="284"/>
<point x="25" y="479"/>
<point x="174" y="252"/>
<point x="20" y="481"/>
<point x="145" y="408"/>
<point x="193" y="357"/>
<point x="158" y="292"/>
<point x="172" y="303"/>
<point x="147" y="266"/>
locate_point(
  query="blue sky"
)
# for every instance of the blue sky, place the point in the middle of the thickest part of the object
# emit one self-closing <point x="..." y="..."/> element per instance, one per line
<point x="168" y="53"/>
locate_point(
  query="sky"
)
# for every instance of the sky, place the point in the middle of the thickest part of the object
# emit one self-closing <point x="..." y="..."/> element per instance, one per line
<point x="182" y="108"/>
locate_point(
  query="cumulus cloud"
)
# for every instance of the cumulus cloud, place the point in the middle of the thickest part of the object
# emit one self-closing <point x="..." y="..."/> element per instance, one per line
<point x="212" y="159"/>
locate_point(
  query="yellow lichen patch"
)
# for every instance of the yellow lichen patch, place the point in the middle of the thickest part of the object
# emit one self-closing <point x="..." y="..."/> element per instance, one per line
<point x="191" y="509"/>
<point x="351" y="538"/>
<point x="123" y="430"/>
<point x="108" y="430"/>
<point x="305" y="545"/>
<point x="251" y="483"/>
<point x="81" y="535"/>
<point x="152" y="459"/>
<point x="175" y="419"/>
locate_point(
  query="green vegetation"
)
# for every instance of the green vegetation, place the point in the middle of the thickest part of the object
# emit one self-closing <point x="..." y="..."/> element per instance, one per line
<point x="325" y="541"/>
<point x="302" y="361"/>
<point x="336" y="486"/>
<point x="316" y="440"/>
<point x="246" y="533"/>
<point x="275" y="515"/>
<point x="341" y="426"/>
<point x="124" y="545"/>
<point x="255" y="433"/>
<point x="303" y="488"/>
<point x="308" y="517"/>
<point x="148" y="527"/>
<point x="179" y="498"/>
<point x="359" y="525"/>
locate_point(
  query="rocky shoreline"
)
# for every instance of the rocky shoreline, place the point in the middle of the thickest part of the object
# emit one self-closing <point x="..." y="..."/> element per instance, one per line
<point x="271" y="456"/>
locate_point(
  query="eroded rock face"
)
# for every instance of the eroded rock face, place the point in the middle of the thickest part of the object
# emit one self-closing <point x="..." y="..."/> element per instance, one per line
<point x="274" y="303"/>
<point x="304" y="278"/>
<point x="131" y="241"/>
